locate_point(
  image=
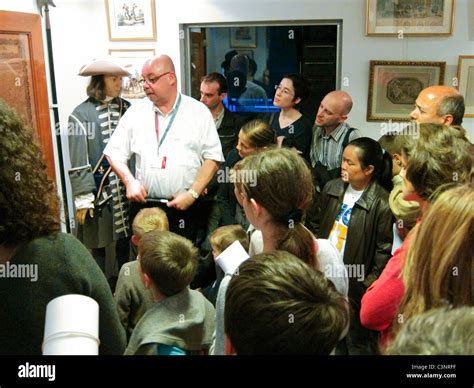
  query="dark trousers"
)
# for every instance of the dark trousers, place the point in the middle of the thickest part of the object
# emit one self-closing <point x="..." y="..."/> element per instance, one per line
<point x="122" y="253"/>
<point x="185" y="223"/>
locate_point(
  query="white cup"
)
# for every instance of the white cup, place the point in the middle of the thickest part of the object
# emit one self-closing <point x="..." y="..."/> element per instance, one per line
<point x="71" y="326"/>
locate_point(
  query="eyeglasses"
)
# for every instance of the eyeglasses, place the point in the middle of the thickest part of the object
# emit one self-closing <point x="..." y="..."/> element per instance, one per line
<point x="287" y="91"/>
<point x="151" y="81"/>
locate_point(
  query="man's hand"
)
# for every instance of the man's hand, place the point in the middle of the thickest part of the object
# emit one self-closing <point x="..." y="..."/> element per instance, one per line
<point x="136" y="192"/>
<point x="181" y="201"/>
<point x="81" y="215"/>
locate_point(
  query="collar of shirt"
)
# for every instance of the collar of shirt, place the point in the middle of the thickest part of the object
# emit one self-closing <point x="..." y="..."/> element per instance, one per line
<point x="156" y="109"/>
<point x="336" y="133"/>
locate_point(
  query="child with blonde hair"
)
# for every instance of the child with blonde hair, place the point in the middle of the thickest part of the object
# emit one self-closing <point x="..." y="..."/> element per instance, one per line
<point x="131" y="297"/>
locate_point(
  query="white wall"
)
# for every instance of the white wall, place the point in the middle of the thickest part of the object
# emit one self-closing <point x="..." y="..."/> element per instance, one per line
<point x="79" y="29"/>
<point x="80" y="33"/>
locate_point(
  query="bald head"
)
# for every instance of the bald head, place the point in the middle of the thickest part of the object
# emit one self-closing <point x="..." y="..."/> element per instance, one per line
<point x="334" y="109"/>
<point x="160" y="83"/>
<point x="439" y="104"/>
<point x="343" y="100"/>
<point x="160" y="64"/>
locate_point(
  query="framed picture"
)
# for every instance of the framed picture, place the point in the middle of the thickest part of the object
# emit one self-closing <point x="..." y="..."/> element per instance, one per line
<point x="131" y="19"/>
<point x="409" y="17"/>
<point x="394" y="87"/>
<point x="243" y="37"/>
<point x="133" y="60"/>
<point x="249" y="53"/>
<point x="466" y="82"/>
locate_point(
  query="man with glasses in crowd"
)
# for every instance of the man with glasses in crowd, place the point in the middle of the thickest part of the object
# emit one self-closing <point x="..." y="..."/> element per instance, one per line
<point x="176" y="146"/>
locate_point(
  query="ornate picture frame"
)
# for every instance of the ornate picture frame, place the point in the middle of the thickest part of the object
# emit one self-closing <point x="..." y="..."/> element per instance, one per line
<point x="131" y="19"/>
<point x="394" y="87"/>
<point x="409" y="17"/>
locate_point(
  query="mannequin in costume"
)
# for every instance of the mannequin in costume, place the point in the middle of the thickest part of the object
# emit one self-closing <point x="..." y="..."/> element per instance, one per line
<point x="99" y="196"/>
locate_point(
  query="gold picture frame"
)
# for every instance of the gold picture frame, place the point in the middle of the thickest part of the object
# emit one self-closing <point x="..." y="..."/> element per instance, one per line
<point x="132" y="60"/>
<point x="131" y="19"/>
<point x="409" y="17"/>
<point x="466" y="82"/>
<point x="394" y="87"/>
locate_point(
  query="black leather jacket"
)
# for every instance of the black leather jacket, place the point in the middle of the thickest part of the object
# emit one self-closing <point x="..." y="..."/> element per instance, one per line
<point x="369" y="237"/>
<point x="229" y="131"/>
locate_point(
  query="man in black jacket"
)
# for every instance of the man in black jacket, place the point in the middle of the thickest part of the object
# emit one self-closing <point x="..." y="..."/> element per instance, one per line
<point x="213" y="92"/>
<point x="228" y="124"/>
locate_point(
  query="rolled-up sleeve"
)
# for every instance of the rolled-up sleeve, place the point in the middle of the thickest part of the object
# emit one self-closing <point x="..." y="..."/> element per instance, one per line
<point x="211" y="148"/>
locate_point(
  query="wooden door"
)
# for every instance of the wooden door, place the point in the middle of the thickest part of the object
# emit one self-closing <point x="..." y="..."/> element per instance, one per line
<point x="198" y="65"/>
<point x="23" y="75"/>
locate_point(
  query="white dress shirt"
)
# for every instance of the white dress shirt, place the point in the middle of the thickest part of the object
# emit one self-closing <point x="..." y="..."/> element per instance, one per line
<point x="191" y="139"/>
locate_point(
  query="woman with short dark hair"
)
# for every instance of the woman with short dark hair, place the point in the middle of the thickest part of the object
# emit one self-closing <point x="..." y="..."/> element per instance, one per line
<point x="291" y="127"/>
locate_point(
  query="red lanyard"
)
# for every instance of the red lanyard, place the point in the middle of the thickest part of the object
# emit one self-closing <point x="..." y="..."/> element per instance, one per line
<point x="156" y="127"/>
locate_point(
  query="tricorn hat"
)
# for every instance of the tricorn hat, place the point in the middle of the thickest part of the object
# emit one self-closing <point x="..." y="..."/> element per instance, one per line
<point x="103" y="67"/>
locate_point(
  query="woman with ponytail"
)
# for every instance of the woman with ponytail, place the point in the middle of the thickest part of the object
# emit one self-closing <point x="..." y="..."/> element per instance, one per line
<point x="356" y="218"/>
<point x="275" y="202"/>
<point x="275" y="188"/>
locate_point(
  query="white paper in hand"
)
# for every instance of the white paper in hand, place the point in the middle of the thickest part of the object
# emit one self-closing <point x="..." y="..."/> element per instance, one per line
<point x="232" y="257"/>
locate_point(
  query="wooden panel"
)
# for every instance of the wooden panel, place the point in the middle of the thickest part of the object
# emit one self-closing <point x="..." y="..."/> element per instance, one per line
<point x="23" y="75"/>
<point x="198" y="55"/>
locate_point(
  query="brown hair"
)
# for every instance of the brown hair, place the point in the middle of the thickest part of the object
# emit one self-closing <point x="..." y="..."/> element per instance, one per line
<point x="224" y="236"/>
<point x="259" y="133"/>
<point x="276" y="304"/>
<point x="216" y="77"/>
<point x="441" y="156"/>
<point x="284" y="187"/>
<point x="96" y="87"/>
<point x="149" y="219"/>
<point x="394" y="143"/>
<point x="438" y="268"/>
<point x="168" y="259"/>
<point x="29" y="206"/>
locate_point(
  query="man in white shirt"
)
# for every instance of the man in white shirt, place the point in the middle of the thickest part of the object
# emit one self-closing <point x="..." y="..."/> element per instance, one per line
<point x="176" y="145"/>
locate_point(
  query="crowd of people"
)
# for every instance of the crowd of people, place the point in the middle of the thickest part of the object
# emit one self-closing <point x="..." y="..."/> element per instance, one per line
<point x="353" y="246"/>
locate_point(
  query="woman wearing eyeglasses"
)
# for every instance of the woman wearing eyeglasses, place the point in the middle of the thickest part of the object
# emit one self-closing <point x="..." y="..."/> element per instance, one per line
<point x="293" y="130"/>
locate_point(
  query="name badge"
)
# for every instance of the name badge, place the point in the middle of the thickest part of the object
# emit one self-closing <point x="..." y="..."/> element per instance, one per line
<point x="159" y="164"/>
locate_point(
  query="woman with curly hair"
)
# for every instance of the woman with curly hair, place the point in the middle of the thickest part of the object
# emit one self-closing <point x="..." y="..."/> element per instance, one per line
<point x="37" y="262"/>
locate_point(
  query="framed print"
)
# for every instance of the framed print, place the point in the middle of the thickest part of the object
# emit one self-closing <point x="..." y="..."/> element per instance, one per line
<point x="409" y="17"/>
<point x="131" y="19"/>
<point x="133" y="60"/>
<point x="394" y="87"/>
<point x="466" y="82"/>
<point x="249" y="53"/>
<point x="243" y="37"/>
